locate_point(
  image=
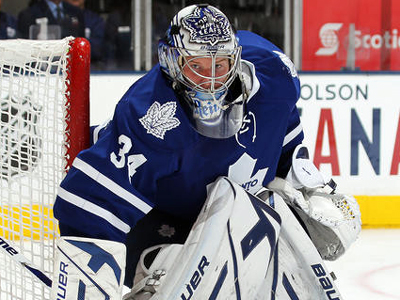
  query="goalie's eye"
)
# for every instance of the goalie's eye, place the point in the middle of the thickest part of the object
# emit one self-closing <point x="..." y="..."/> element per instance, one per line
<point x="199" y="68"/>
<point x="194" y="66"/>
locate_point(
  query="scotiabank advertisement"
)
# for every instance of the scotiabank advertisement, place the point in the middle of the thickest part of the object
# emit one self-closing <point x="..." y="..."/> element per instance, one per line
<point x="336" y="33"/>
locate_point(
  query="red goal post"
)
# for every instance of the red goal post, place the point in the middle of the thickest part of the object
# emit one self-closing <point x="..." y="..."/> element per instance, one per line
<point x="77" y="93"/>
<point x="44" y="106"/>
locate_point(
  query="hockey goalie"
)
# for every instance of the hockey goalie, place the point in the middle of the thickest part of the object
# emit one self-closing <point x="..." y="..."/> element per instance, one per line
<point x="199" y="187"/>
<point x="242" y="246"/>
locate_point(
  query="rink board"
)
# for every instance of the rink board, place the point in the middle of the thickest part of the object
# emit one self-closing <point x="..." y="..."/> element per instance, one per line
<point x="376" y="212"/>
<point x="379" y="211"/>
<point x="352" y="128"/>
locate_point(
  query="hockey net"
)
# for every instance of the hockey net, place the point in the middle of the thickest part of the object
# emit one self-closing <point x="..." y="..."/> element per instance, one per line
<point x="44" y="97"/>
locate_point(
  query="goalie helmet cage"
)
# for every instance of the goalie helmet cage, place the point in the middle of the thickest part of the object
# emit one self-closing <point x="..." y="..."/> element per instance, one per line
<point x="44" y="89"/>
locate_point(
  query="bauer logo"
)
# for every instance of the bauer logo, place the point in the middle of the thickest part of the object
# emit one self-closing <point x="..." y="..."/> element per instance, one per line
<point x="62" y="281"/>
<point x="7" y="248"/>
<point x="195" y="280"/>
<point x="329" y="39"/>
<point x="20" y="143"/>
<point x="325" y="282"/>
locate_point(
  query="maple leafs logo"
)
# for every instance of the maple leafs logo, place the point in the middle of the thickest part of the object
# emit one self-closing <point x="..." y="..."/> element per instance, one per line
<point x="166" y="231"/>
<point x="206" y="25"/>
<point x="160" y="118"/>
<point x="242" y="170"/>
<point x="289" y="64"/>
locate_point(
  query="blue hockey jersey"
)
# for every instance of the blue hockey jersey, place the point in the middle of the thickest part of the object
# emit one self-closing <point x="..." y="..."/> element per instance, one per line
<point x="149" y="156"/>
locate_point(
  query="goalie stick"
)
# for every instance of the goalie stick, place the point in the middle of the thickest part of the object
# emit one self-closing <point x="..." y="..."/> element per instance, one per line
<point x="10" y="250"/>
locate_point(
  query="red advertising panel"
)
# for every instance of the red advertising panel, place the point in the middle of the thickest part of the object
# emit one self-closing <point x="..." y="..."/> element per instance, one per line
<point x="366" y="32"/>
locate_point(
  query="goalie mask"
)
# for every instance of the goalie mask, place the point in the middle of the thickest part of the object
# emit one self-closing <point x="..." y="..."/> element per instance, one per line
<point x="201" y="56"/>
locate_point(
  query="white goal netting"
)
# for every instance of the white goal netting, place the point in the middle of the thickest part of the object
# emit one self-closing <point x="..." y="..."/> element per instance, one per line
<point x="34" y="89"/>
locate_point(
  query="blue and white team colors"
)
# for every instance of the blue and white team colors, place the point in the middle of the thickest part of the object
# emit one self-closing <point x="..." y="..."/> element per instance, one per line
<point x="149" y="156"/>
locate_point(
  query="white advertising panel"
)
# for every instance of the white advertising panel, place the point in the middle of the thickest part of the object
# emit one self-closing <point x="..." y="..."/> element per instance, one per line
<point x="351" y="125"/>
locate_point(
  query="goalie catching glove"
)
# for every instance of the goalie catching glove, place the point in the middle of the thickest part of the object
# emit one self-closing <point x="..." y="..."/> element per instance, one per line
<point x="333" y="220"/>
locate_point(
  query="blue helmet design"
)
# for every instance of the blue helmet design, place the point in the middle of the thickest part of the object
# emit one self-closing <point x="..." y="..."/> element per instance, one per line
<point x="201" y="56"/>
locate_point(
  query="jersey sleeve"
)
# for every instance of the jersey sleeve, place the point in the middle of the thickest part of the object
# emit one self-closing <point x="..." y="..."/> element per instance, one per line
<point x="294" y="136"/>
<point x="283" y="86"/>
<point x="97" y="198"/>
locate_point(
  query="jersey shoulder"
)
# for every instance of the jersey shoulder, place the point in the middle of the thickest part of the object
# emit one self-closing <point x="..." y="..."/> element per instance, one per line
<point x="274" y="69"/>
<point x="150" y="111"/>
<point x="252" y="41"/>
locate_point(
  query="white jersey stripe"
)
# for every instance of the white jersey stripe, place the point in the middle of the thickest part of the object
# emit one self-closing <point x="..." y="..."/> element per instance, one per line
<point x="97" y="130"/>
<point x="93" y="209"/>
<point x="249" y="73"/>
<point x="111" y="185"/>
<point x="291" y="135"/>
